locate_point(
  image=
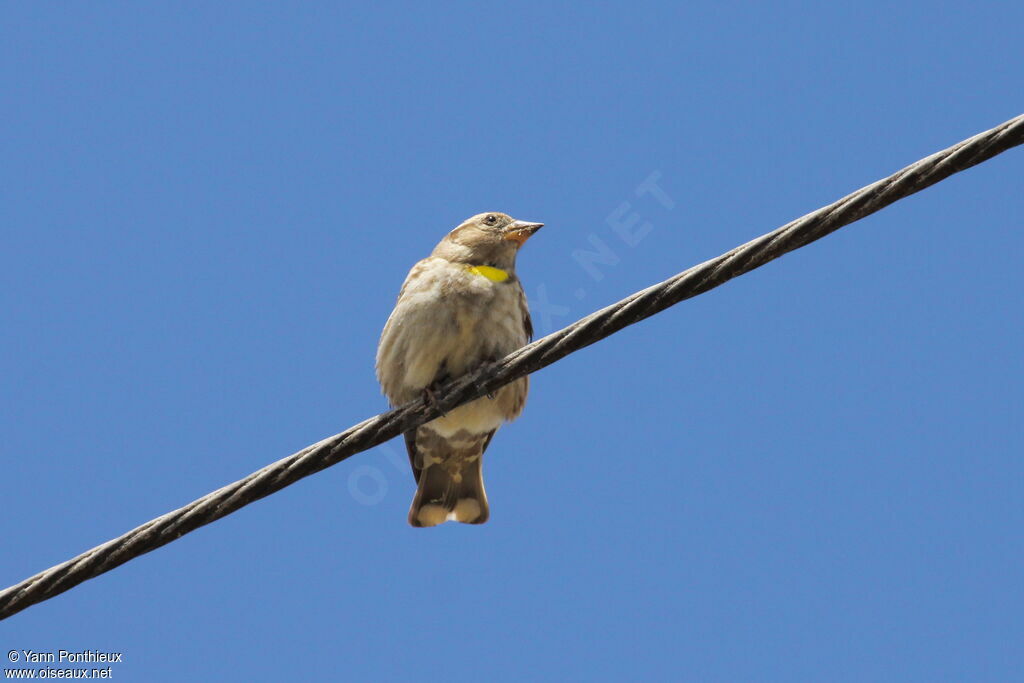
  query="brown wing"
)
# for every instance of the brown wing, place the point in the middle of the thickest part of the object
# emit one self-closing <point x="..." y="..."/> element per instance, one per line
<point x="527" y="322"/>
<point x="410" y="447"/>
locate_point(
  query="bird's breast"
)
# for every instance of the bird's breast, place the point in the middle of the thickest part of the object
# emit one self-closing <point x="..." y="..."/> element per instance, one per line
<point x="447" y="322"/>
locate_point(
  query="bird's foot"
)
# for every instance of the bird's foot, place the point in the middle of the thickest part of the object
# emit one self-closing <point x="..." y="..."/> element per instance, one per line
<point x="431" y="398"/>
<point x="490" y="363"/>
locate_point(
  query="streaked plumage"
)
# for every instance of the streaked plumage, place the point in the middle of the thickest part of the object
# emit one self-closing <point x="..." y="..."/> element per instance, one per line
<point x="459" y="308"/>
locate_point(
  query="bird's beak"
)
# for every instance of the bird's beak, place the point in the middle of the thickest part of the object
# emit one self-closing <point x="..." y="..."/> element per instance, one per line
<point x="520" y="231"/>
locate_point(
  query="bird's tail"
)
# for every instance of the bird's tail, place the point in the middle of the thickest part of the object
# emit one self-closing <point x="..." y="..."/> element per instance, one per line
<point x="442" y="492"/>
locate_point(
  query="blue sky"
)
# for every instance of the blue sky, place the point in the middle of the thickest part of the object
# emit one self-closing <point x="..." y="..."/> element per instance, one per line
<point x="811" y="473"/>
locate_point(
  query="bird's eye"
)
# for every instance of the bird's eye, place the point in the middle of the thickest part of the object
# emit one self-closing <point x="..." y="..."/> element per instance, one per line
<point x="491" y="219"/>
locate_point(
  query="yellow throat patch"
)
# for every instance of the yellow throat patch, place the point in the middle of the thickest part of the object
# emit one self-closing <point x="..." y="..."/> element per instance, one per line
<point x="490" y="272"/>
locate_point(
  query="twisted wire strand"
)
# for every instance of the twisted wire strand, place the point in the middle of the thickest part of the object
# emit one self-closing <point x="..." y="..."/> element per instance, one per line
<point x="528" y="359"/>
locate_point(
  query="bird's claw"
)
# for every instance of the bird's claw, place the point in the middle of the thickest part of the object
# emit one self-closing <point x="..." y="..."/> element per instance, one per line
<point x="431" y="399"/>
<point x="489" y="364"/>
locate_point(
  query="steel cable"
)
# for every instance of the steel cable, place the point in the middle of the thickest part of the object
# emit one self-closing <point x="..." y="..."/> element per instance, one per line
<point x="530" y="358"/>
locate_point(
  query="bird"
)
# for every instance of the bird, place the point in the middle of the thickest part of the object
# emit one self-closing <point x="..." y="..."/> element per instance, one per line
<point x="461" y="307"/>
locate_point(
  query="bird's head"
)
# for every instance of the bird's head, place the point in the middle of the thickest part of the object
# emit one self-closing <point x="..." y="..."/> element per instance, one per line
<point x="490" y="238"/>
